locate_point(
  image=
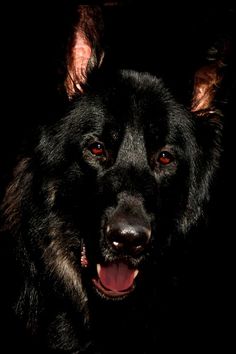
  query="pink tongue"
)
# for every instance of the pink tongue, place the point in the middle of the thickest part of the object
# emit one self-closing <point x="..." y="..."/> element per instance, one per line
<point x="116" y="276"/>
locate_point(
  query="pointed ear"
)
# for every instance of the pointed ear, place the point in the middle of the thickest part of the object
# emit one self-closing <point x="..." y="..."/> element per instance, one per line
<point x="207" y="81"/>
<point x="84" y="49"/>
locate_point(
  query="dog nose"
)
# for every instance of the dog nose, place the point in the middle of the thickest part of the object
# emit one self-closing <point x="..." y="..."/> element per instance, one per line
<point x="126" y="237"/>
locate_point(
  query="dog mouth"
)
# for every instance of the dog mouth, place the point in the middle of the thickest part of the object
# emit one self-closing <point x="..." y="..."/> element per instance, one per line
<point x="115" y="279"/>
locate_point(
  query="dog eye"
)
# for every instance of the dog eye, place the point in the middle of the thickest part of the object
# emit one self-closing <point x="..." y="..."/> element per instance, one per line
<point x="97" y="149"/>
<point x="165" y="158"/>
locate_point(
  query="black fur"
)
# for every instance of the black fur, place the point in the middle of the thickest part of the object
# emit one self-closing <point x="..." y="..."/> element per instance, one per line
<point x="126" y="155"/>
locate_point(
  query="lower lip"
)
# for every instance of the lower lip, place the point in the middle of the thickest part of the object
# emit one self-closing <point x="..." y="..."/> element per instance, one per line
<point x="111" y="293"/>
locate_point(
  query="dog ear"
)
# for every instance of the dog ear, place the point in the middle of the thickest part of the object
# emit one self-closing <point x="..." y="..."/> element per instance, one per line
<point x="208" y="79"/>
<point x="207" y="103"/>
<point x="84" y="51"/>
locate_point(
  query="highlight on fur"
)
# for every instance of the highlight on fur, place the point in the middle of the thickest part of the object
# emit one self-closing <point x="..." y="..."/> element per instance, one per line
<point x="84" y="51"/>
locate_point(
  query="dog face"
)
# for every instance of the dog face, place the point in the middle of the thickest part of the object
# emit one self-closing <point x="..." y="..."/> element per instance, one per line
<point x="134" y="157"/>
<point x="132" y="145"/>
<point x="137" y="149"/>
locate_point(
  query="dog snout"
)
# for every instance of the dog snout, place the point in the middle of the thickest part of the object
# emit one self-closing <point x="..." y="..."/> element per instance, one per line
<point x="127" y="236"/>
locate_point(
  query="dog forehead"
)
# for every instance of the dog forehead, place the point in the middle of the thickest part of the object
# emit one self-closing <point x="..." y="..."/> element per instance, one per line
<point x="138" y="100"/>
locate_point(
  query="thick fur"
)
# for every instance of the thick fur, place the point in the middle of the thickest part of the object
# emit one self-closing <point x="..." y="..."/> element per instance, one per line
<point x="102" y="161"/>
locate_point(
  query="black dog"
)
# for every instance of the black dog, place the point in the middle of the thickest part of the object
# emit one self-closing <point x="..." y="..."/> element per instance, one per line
<point x="97" y="208"/>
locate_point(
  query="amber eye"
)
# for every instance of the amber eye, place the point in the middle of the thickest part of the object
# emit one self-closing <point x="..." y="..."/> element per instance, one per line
<point x="97" y="149"/>
<point x="165" y="158"/>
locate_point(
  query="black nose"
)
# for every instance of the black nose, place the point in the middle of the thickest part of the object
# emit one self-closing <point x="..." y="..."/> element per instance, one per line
<point x="126" y="236"/>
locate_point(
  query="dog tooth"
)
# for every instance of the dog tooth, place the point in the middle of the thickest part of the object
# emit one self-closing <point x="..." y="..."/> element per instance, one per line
<point x="136" y="273"/>
<point x="98" y="269"/>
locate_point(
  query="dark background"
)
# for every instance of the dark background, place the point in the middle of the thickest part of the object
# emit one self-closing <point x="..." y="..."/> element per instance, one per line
<point x="169" y="40"/>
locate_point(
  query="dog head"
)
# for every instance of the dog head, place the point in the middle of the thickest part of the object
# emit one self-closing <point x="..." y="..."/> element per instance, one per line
<point x="110" y="184"/>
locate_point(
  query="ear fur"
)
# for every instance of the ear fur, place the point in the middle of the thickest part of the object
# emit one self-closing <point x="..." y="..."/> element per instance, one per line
<point x="208" y="79"/>
<point x="84" y="49"/>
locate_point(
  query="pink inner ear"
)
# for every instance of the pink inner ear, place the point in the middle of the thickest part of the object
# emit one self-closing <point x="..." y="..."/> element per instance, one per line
<point x="78" y="58"/>
<point x="205" y="84"/>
